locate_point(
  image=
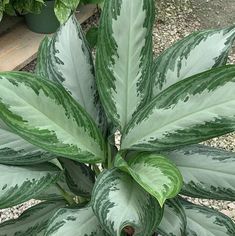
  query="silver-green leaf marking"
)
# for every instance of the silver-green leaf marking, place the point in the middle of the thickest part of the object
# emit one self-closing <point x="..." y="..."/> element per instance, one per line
<point x="67" y="60"/>
<point x="187" y="57"/>
<point x="203" y="221"/>
<point x="188" y="112"/>
<point x="19" y="184"/>
<point x="47" y="116"/>
<point x="155" y="173"/>
<point x="124" y="57"/>
<point x="207" y="172"/>
<point x="74" y="221"/>
<point x="32" y="222"/>
<point x="174" y="220"/>
<point x="14" y="150"/>
<point x="118" y="201"/>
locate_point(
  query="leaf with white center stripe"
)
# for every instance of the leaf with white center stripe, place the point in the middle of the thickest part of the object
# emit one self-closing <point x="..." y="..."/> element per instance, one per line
<point x="193" y="110"/>
<point x="80" y="178"/>
<point x="74" y="221"/>
<point x="207" y="172"/>
<point x="155" y="173"/>
<point x="33" y="221"/>
<point x="67" y="60"/>
<point x="118" y="201"/>
<point x="174" y="220"/>
<point x="124" y="57"/>
<point x="203" y="221"/>
<point x="47" y="116"/>
<point x="187" y="57"/>
<point x="19" y="184"/>
<point x="14" y="150"/>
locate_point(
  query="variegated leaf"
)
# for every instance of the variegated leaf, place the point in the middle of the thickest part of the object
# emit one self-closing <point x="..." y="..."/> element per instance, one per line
<point x="174" y="220"/>
<point x="204" y="221"/>
<point x="45" y="115"/>
<point x="67" y="60"/>
<point x="207" y="172"/>
<point x="118" y="201"/>
<point x="80" y="178"/>
<point x="155" y="173"/>
<point x="72" y="4"/>
<point x="124" y="57"/>
<point x="62" y="12"/>
<point x="187" y="57"/>
<point x="190" y="111"/>
<point x="14" y="150"/>
<point x="74" y="221"/>
<point x="19" y="184"/>
<point x="42" y="67"/>
<point x="33" y="221"/>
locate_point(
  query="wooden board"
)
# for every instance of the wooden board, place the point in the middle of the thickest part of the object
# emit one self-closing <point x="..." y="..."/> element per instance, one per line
<point x="19" y="45"/>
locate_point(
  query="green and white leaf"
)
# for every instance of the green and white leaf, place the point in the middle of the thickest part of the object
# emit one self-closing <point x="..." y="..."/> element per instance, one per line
<point x="187" y="57"/>
<point x="174" y="220"/>
<point x="207" y="172"/>
<point x="204" y="221"/>
<point x="124" y="57"/>
<point x="47" y="116"/>
<point x="155" y="173"/>
<point x="118" y="201"/>
<point x="62" y="12"/>
<point x="19" y="184"/>
<point x="188" y="112"/>
<point x="79" y="177"/>
<point x="14" y="150"/>
<point x="42" y="68"/>
<point x="67" y="60"/>
<point x="72" y="4"/>
<point x="33" y="221"/>
<point x="74" y="221"/>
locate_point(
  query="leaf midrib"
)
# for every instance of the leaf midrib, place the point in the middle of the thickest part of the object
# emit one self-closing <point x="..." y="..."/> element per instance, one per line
<point x="128" y="66"/>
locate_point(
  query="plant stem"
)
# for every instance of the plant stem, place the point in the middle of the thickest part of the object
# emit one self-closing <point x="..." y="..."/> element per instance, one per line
<point x="110" y="161"/>
<point x="96" y="169"/>
<point x="66" y="196"/>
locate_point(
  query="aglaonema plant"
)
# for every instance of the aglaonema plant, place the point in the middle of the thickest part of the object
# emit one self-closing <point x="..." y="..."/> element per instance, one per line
<point x="58" y="127"/>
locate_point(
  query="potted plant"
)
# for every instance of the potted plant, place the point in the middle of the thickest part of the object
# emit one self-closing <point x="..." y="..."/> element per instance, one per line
<point x="41" y="16"/>
<point x="57" y="132"/>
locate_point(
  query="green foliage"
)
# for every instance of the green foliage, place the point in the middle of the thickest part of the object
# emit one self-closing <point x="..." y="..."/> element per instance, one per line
<point x="57" y="130"/>
<point x="63" y="8"/>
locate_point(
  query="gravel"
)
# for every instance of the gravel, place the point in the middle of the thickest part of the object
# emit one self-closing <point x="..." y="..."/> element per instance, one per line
<point x="172" y="24"/>
<point x="16" y="211"/>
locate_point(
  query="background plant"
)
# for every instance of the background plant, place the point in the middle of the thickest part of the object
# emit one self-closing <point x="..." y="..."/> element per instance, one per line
<point x="57" y="131"/>
<point x="63" y="8"/>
